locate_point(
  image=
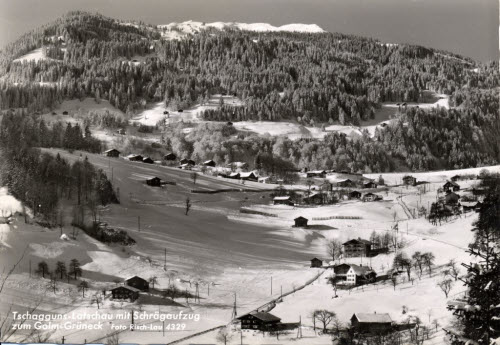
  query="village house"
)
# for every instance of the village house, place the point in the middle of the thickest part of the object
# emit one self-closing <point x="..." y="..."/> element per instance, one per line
<point x="170" y="157"/>
<point x="316" y="173"/>
<point x="125" y="292"/>
<point x="346" y="183"/>
<point x="121" y="131"/>
<point x="350" y="274"/>
<point x="371" y="323"/>
<point x="248" y="176"/>
<point x="300" y="222"/>
<point x="209" y="163"/>
<point x="147" y="160"/>
<point x="234" y="175"/>
<point x="369" y="184"/>
<point x="468" y="206"/>
<point x="315" y="262"/>
<point x="355" y="194"/>
<point x="260" y="321"/>
<point x="314" y="199"/>
<point x="138" y="283"/>
<point x="409" y="180"/>
<point x="356" y="248"/>
<point x="451" y="186"/>
<point x="187" y="161"/>
<point x="283" y="200"/>
<point x="112" y="153"/>
<point x="135" y="158"/>
<point x="371" y="197"/>
<point x="154" y="181"/>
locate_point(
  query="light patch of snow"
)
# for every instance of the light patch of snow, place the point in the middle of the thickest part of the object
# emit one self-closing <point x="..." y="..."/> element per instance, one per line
<point x="34" y="55"/>
<point x="291" y="130"/>
<point x="8" y="204"/>
<point x="432" y="176"/>
<point x="50" y="250"/>
<point x="179" y="30"/>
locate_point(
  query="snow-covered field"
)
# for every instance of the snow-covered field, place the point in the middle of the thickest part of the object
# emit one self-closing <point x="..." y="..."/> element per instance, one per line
<point x="155" y="114"/>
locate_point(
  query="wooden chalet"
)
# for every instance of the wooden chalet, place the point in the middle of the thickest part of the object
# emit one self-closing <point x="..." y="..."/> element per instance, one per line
<point x="125" y="292"/>
<point x="357" y="247"/>
<point x="209" y="163"/>
<point x="355" y="194"/>
<point x="260" y="321"/>
<point x="371" y="197"/>
<point x="316" y="173"/>
<point x="300" y="222"/>
<point x="112" y="153"/>
<point x="170" y="156"/>
<point x="135" y="158"/>
<point x="409" y="180"/>
<point x="451" y="186"/>
<point x="248" y="176"/>
<point x="154" y="182"/>
<point x="138" y="283"/>
<point x="350" y="274"/>
<point x="468" y="206"/>
<point x="369" y="184"/>
<point x="148" y="160"/>
<point x="345" y="183"/>
<point x="187" y="161"/>
<point x="314" y="199"/>
<point x="283" y="200"/>
<point x="315" y="263"/>
<point x="371" y="323"/>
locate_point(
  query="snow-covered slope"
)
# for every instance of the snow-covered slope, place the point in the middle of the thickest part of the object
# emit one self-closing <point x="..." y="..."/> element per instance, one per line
<point x="189" y="27"/>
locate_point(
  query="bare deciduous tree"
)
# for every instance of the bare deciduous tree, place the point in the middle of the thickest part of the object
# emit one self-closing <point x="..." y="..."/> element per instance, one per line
<point x="224" y="335"/>
<point x="325" y="317"/>
<point x="334" y="249"/>
<point x="446" y="286"/>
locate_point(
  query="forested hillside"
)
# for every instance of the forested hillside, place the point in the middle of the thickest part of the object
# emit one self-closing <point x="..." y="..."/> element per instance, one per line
<point x="311" y="79"/>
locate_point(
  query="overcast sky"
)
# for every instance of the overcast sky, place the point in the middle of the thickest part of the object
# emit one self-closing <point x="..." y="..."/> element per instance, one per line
<point x="467" y="27"/>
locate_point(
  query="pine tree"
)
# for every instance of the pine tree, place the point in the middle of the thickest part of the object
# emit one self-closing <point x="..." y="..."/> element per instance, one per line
<point x="480" y="318"/>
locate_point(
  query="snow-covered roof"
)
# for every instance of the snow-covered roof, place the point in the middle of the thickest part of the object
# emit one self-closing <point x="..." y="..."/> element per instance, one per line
<point x="281" y="198"/>
<point x="263" y="316"/>
<point x="373" y="318"/>
<point x="361" y="270"/>
<point x="247" y="174"/>
<point x="110" y="150"/>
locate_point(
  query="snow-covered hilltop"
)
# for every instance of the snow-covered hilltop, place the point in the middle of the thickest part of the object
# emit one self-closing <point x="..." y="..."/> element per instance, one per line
<point x="194" y="27"/>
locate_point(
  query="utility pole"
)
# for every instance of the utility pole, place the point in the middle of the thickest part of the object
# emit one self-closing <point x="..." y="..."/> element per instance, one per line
<point x="63" y="340"/>
<point x="139" y="223"/>
<point x="299" y="329"/>
<point x="234" y="313"/>
<point x="165" y="264"/>
<point x="271" y="285"/>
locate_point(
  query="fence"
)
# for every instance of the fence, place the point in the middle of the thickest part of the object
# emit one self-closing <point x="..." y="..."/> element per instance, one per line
<point x="246" y="210"/>
<point x="336" y="217"/>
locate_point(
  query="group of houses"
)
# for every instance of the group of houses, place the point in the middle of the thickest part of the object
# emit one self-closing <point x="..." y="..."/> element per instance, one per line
<point x="114" y="153"/>
<point x="365" y="323"/>
<point x="130" y="289"/>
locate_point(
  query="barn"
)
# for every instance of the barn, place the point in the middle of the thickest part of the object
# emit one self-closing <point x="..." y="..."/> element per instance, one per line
<point x="301" y="222"/>
<point x="355" y="194"/>
<point x="154" y="181"/>
<point x="260" y="321"/>
<point x="125" y="292"/>
<point x="209" y="163"/>
<point x="135" y="158"/>
<point x="248" y="176"/>
<point x="315" y="262"/>
<point x="147" y="160"/>
<point x="371" y="323"/>
<point x="170" y="157"/>
<point x="138" y="283"/>
<point x="112" y="153"/>
<point x="369" y="184"/>
<point x="187" y="161"/>
<point x="316" y="173"/>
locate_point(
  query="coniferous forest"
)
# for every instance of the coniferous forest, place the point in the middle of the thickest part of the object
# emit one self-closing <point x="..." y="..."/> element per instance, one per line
<point x="312" y="79"/>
